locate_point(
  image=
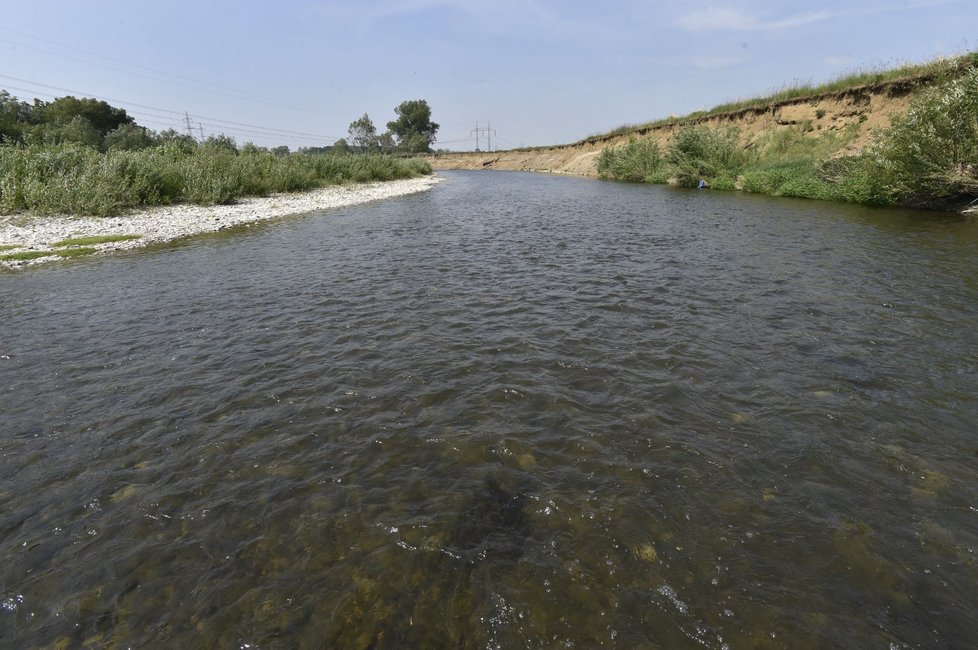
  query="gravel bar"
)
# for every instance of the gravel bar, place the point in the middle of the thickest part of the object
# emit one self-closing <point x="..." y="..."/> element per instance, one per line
<point x="30" y="234"/>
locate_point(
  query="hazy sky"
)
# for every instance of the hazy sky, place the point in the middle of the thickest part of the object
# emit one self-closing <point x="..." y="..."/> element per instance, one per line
<point x="297" y="72"/>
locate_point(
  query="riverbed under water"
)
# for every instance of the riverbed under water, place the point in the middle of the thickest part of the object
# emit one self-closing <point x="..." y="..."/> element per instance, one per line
<point x="514" y="411"/>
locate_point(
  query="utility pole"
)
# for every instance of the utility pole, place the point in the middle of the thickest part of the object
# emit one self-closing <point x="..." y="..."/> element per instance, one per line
<point x="190" y="128"/>
<point x="489" y="131"/>
<point x="201" y="127"/>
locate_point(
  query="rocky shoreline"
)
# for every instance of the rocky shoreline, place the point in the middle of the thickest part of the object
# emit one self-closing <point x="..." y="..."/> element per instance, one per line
<point x="37" y="234"/>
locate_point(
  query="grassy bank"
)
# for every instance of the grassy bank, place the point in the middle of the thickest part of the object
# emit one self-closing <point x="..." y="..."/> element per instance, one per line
<point x="77" y="179"/>
<point x="926" y="158"/>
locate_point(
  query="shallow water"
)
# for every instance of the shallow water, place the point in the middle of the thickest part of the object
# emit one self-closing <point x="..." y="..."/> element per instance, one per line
<point x="514" y="411"/>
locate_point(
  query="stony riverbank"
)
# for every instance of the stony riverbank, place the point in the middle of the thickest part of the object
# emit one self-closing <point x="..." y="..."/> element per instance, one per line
<point x="35" y="237"/>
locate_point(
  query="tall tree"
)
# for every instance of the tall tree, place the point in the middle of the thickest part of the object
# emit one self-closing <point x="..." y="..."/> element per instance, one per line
<point x="128" y="137"/>
<point x="363" y="133"/>
<point x="413" y="127"/>
<point x="99" y="114"/>
<point x="386" y="142"/>
<point x="14" y="117"/>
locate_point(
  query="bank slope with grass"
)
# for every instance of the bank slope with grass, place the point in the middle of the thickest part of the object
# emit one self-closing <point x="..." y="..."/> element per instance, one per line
<point x="906" y="136"/>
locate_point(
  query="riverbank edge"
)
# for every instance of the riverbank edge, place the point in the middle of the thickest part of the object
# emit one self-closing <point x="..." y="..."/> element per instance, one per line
<point x="38" y="234"/>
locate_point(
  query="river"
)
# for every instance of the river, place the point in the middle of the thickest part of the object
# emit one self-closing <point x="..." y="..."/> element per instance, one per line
<point x="515" y="411"/>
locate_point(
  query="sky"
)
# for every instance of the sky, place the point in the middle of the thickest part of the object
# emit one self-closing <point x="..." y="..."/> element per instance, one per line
<point x="537" y="72"/>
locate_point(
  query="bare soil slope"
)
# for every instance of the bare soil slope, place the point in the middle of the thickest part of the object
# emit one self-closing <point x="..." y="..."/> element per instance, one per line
<point x="867" y="107"/>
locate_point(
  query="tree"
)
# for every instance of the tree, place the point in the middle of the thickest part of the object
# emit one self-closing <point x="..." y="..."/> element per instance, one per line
<point x="221" y="142"/>
<point x="100" y="115"/>
<point x="81" y="131"/>
<point x="14" y="117"/>
<point x="386" y="142"/>
<point x="341" y="146"/>
<point x="413" y="127"/>
<point x="128" y="137"/>
<point x="250" y="148"/>
<point x="177" y="140"/>
<point x="363" y="133"/>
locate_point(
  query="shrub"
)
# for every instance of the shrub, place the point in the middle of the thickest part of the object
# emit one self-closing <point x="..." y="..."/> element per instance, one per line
<point x="698" y="152"/>
<point x="637" y="161"/>
<point x="929" y="157"/>
<point x="724" y="182"/>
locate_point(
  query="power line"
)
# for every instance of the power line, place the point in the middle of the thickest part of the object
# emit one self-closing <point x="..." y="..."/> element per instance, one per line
<point x="200" y="85"/>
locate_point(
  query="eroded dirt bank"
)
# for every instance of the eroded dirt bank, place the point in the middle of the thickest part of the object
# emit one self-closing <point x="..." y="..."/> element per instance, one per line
<point x="864" y="108"/>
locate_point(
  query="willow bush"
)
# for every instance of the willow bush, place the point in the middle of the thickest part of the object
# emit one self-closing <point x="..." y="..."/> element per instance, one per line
<point x="929" y="156"/>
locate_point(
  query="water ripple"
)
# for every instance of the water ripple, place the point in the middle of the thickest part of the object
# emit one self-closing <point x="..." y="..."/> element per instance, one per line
<point x="516" y="411"/>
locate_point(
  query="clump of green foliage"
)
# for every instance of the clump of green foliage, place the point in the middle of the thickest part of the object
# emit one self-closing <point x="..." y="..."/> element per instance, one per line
<point x="787" y="163"/>
<point x="929" y="156"/>
<point x="714" y="155"/>
<point x="798" y="178"/>
<point x="638" y="161"/>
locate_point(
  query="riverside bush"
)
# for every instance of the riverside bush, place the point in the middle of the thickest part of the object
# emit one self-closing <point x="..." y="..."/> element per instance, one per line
<point x="72" y="178"/>
<point x="637" y="161"/>
<point x="698" y="152"/>
<point x="929" y="157"/>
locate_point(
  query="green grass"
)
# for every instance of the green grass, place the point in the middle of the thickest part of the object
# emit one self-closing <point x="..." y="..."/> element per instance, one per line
<point x="8" y="247"/>
<point x="76" y="252"/>
<point x="95" y="239"/>
<point x="25" y="255"/>
<point x="33" y="255"/>
<point x="938" y="70"/>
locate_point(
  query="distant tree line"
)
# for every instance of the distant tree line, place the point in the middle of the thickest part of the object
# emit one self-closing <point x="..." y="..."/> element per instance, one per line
<point x="97" y="124"/>
<point x="94" y="123"/>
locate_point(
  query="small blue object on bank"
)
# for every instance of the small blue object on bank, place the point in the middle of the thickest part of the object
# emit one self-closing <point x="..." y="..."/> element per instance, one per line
<point x="701" y="185"/>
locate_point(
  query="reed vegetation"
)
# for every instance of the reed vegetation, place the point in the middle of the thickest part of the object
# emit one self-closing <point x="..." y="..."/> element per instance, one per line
<point x="77" y="179"/>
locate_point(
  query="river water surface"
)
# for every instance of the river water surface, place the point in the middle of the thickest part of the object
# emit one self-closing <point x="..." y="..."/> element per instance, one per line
<point x="516" y="411"/>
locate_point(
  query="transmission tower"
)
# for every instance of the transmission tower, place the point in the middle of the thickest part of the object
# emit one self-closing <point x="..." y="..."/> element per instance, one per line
<point x="488" y="130"/>
<point x="190" y="127"/>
